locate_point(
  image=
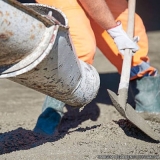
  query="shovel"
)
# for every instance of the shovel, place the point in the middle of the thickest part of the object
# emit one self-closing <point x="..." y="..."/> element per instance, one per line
<point x="120" y="101"/>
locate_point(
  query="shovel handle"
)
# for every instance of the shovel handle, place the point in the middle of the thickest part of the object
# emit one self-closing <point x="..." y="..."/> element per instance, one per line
<point x="126" y="66"/>
<point x="131" y="17"/>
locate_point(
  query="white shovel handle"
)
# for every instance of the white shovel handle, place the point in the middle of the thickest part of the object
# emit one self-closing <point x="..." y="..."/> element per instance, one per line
<point x="126" y="67"/>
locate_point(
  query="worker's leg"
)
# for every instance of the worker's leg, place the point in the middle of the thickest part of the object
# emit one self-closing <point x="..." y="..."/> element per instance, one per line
<point x="49" y="119"/>
<point x="146" y="89"/>
<point x="84" y="43"/>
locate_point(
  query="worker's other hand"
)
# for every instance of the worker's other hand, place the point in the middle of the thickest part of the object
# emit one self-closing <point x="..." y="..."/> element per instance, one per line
<point x="122" y="40"/>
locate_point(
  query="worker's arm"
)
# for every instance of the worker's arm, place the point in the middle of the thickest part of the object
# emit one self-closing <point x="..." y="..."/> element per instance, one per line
<point x="101" y="13"/>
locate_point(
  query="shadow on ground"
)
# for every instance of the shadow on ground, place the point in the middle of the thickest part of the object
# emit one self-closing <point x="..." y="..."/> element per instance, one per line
<point x="132" y="131"/>
<point x="22" y="139"/>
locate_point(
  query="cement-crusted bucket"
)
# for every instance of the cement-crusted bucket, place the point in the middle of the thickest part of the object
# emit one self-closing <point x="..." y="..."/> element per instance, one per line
<point x="44" y="59"/>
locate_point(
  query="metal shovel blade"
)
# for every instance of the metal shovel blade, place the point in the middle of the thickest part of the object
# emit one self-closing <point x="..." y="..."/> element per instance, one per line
<point x="129" y="113"/>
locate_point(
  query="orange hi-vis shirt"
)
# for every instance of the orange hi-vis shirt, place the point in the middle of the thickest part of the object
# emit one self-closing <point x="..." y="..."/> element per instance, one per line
<point x="86" y="35"/>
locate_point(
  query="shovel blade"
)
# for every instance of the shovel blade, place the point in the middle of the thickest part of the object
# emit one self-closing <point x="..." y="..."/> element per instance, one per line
<point x="114" y="99"/>
<point x="129" y="113"/>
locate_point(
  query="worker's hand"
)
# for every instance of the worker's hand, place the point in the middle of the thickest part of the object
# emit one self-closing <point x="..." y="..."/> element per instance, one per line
<point x="122" y="40"/>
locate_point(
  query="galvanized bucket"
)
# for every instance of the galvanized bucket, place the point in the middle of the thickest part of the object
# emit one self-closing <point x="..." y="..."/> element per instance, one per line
<point x="38" y="53"/>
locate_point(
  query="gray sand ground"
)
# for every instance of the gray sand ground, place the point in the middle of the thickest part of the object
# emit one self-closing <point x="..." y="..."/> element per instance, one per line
<point x="97" y="129"/>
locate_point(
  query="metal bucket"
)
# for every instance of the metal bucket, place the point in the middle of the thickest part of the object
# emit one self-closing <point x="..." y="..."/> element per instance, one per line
<point x="43" y="58"/>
